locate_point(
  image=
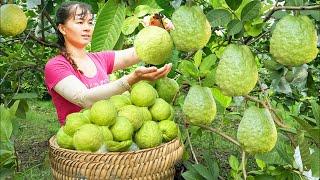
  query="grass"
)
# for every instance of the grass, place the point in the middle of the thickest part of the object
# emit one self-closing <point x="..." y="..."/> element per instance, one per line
<point x="32" y="140"/>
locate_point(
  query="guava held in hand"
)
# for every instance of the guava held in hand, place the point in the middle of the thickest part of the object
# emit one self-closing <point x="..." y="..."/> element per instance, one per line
<point x="153" y="45"/>
<point x="13" y="21"/>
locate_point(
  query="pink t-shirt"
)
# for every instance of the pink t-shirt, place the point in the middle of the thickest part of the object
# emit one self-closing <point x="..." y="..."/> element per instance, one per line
<point x="58" y="68"/>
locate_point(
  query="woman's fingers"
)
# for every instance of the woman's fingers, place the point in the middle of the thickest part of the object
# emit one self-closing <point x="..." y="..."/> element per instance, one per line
<point x="152" y="73"/>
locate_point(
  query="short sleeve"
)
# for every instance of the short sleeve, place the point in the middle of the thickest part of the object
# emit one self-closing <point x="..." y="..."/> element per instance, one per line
<point x="55" y="70"/>
<point x="106" y="58"/>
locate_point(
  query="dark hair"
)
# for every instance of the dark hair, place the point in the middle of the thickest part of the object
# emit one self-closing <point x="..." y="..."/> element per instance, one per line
<point x="65" y="11"/>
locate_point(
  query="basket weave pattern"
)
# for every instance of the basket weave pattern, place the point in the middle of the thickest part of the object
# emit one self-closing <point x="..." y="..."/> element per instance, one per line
<point x="153" y="163"/>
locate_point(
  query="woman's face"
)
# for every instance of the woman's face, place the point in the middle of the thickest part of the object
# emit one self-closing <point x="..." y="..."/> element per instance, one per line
<point x="77" y="30"/>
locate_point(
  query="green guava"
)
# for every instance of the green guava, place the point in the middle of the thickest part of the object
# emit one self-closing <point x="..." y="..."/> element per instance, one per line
<point x="169" y="130"/>
<point x="120" y="100"/>
<point x="257" y="132"/>
<point x="64" y="140"/>
<point x="192" y="30"/>
<point x="153" y="45"/>
<point x="294" y="41"/>
<point x="88" y="138"/>
<point x="199" y="106"/>
<point x="237" y="72"/>
<point x="133" y="114"/>
<point x="103" y="113"/>
<point x="86" y="113"/>
<point x="167" y="88"/>
<point x="122" y="130"/>
<point x="13" y="21"/>
<point x="160" y="110"/>
<point x="74" y="121"/>
<point x="149" y="135"/>
<point x="143" y="94"/>
<point x="146" y="115"/>
<point x="107" y="134"/>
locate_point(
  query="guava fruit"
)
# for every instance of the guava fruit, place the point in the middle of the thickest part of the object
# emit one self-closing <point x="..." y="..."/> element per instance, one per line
<point x="294" y="41"/>
<point x="13" y="21"/>
<point x="237" y="72"/>
<point x="192" y="30"/>
<point x="122" y="130"/>
<point x="107" y="134"/>
<point x="257" y="132"/>
<point x="149" y="135"/>
<point x="86" y="113"/>
<point x="153" y="45"/>
<point x="143" y="94"/>
<point x="74" y="121"/>
<point x="167" y="88"/>
<point x="119" y="101"/>
<point x="115" y="146"/>
<point x="88" y="138"/>
<point x="146" y="115"/>
<point x="133" y="114"/>
<point x="168" y="129"/>
<point x="171" y="117"/>
<point x="103" y="113"/>
<point x="64" y="140"/>
<point x="199" y="106"/>
<point x="160" y="110"/>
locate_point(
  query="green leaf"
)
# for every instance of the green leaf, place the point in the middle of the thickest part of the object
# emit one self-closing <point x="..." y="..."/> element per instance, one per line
<point x="261" y="164"/>
<point x="234" y="163"/>
<point x="212" y="165"/>
<point x="190" y="175"/>
<point x="210" y="79"/>
<point x="188" y="69"/>
<point x="315" y="165"/>
<point x="14" y="107"/>
<point x="223" y="100"/>
<point x="197" y="58"/>
<point x="294" y="2"/>
<point x="206" y="64"/>
<point x="5" y="124"/>
<point x="253" y="30"/>
<point x="304" y="150"/>
<point x="315" y="110"/>
<point x="234" y="27"/>
<point x="22" y="109"/>
<point x="129" y="25"/>
<point x="219" y="17"/>
<point x="251" y="11"/>
<point x="142" y="10"/>
<point x="108" y="27"/>
<point x="203" y="171"/>
<point x="313" y="13"/>
<point x="233" y="4"/>
<point x="165" y="4"/>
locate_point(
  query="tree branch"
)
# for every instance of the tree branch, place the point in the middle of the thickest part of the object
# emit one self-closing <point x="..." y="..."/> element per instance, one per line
<point x="221" y="134"/>
<point x="243" y="161"/>
<point x="43" y="42"/>
<point x="191" y="148"/>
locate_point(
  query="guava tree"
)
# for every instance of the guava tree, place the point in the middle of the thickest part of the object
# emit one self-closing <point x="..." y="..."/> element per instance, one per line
<point x="248" y="71"/>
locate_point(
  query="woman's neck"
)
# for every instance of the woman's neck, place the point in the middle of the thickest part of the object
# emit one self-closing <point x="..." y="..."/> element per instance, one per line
<point x="76" y="53"/>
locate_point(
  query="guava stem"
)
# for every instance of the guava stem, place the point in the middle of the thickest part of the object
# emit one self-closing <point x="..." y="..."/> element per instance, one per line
<point x="191" y="148"/>
<point x="243" y="161"/>
<point x="221" y="134"/>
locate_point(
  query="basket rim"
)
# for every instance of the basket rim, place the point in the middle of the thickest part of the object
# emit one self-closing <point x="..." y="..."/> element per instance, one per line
<point x="53" y="143"/>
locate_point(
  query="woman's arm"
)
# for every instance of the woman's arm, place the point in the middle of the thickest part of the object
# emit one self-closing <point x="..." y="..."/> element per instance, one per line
<point x="73" y="90"/>
<point x="125" y="58"/>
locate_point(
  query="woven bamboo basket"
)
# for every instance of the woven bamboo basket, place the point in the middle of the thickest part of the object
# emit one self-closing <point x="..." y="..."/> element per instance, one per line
<point x="153" y="163"/>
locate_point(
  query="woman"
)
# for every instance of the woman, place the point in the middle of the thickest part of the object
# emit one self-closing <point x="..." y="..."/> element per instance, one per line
<point x="76" y="79"/>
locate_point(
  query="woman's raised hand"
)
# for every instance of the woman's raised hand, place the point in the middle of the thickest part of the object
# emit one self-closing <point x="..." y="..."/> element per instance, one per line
<point x="148" y="73"/>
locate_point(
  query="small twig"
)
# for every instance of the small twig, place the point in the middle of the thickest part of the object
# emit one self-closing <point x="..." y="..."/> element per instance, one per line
<point x="191" y="148"/>
<point x="260" y="36"/>
<point x="5" y="75"/>
<point x="243" y="161"/>
<point x="43" y="42"/>
<point x="45" y="13"/>
<point x="42" y="21"/>
<point x="221" y="134"/>
<point x="271" y="12"/>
